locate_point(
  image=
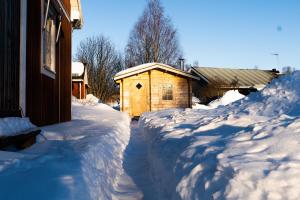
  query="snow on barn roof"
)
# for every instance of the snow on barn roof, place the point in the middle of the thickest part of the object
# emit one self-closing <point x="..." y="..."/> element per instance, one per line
<point x="243" y="77"/>
<point x="148" y="66"/>
<point x="77" y="69"/>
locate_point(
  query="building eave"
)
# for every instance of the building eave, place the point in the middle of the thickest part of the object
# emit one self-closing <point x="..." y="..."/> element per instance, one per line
<point x="156" y="66"/>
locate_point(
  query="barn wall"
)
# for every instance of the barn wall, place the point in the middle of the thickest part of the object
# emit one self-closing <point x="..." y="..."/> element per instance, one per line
<point x="48" y="100"/>
<point x="76" y="88"/>
<point x="9" y="57"/>
<point x="65" y="67"/>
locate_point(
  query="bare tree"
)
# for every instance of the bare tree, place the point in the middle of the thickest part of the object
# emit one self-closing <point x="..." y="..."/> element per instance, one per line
<point x="103" y="62"/>
<point x="153" y="39"/>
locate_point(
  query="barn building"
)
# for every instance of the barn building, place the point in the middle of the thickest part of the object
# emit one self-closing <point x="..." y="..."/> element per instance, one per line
<point x="79" y="80"/>
<point x="214" y="82"/>
<point x="35" y="58"/>
<point x="152" y="87"/>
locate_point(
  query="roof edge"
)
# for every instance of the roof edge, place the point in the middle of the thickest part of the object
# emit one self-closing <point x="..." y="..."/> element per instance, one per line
<point x="154" y="66"/>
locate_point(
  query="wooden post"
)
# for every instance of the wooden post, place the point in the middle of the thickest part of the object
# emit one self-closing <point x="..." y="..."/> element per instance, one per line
<point x="150" y="98"/>
<point x="122" y="95"/>
<point x="189" y="91"/>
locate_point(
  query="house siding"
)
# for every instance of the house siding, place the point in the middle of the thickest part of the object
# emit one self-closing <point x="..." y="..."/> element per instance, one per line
<point x="9" y="57"/>
<point x="48" y="100"/>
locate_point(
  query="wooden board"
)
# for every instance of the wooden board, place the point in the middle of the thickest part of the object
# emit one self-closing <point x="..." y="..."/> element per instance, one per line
<point x="139" y="97"/>
<point x="9" y="57"/>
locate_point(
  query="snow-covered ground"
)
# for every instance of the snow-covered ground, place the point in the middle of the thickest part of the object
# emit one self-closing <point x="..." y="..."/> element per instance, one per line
<point x="229" y="97"/>
<point x="80" y="159"/>
<point x="14" y="125"/>
<point x="249" y="149"/>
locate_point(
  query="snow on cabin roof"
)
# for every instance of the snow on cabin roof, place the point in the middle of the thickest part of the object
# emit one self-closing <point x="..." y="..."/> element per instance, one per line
<point x="148" y="66"/>
<point x="244" y="77"/>
<point x="77" y="69"/>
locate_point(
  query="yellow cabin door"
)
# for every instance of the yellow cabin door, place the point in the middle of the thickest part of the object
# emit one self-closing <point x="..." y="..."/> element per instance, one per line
<point x="139" y="97"/>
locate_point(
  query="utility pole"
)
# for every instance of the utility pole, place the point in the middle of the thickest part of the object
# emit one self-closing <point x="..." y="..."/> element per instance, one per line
<point x="277" y="59"/>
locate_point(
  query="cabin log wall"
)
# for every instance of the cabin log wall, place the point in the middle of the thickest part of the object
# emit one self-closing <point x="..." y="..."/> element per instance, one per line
<point x="153" y="82"/>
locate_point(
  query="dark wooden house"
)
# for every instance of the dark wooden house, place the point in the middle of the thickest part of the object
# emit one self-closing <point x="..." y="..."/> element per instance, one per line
<point x="35" y="59"/>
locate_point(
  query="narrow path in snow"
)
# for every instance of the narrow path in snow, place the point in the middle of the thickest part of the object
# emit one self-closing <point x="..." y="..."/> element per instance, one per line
<point x="136" y="183"/>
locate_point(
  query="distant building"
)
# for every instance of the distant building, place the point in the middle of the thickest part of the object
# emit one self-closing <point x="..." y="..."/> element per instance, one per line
<point x="214" y="82"/>
<point x="152" y="87"/>
<point x="79" y="80"/>
<point x="35" y="59"/>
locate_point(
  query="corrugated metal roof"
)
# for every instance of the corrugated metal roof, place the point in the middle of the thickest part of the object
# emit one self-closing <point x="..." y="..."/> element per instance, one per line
<point x="243" y="77"/>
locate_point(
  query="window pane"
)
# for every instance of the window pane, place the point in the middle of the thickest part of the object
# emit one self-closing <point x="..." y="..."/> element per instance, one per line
<point x="167" y="92"/>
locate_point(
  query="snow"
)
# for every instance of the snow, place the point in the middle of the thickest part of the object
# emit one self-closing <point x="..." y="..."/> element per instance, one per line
<point x="80" y="159"/>
<point x="228" y="98"/>
<point x="195" y="100"/>
<point x="77" y="68"/>
<point x="89" y="100"/>
<point x="246" y="150"/>
<point x="14" y="125"/>
<point x="137" y="68"/>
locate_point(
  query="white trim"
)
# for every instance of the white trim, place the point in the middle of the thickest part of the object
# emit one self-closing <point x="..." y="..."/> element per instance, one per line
<point x="48" y="72"/>
<point x="154" y="66"/>
<point x="45" y="70"/>
<point x="46" y="14"/>
<point x="80" y="90"/>
<point x="77" y="80"/>
<point x="22" y="79"/>
<point x="64" y="10"/>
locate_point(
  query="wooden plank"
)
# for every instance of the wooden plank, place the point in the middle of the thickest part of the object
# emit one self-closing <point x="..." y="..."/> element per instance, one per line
<point x="21" y="141"/>
<point x="9" y="57"/>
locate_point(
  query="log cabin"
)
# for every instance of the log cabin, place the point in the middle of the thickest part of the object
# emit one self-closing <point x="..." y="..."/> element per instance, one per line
<point x="35" y="58"/>
<point x="79" y="80"/>
<point x="214" y="82"/>
<point x="152" y="87"/>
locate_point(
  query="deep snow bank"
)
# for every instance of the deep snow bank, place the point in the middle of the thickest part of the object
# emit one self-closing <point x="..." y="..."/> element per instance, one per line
<point x="247" y="150"/>
<point x="228" y="98"/>
<point x="80" y="159"/>
<point x="13" y="125"/>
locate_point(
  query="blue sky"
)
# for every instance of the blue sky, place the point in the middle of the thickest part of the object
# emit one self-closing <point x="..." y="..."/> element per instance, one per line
<point x="216" y="33"/>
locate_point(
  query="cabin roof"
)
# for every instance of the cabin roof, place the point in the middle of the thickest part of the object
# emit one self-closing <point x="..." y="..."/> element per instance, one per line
<point x="149" y="66"/>
<point x="245" y="77"/>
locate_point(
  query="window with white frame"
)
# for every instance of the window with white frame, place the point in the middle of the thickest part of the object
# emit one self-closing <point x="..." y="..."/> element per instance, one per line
<point x="49" y="39"/>
<point x="167" y="92"/>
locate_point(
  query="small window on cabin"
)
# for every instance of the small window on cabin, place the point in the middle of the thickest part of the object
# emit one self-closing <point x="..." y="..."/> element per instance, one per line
<point x="138" y="86"/>
<point x="167" y="92"/>
<point x="49" y="39"/>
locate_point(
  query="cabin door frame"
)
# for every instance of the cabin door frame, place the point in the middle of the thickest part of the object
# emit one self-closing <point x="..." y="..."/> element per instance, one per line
<point x="139" y="97"/>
